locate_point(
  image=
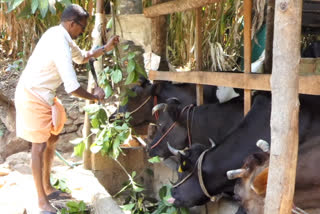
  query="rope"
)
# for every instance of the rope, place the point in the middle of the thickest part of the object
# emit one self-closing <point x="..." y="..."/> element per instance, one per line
<point x="134" y="111"/>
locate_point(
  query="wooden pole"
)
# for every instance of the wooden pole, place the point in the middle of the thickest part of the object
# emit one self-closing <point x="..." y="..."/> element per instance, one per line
<point x="269" y="37"/>
<point x="175" y="6"/>
<point x="158" y="35"/>
<point x="285" y="107"/>
<point x="98" y="65"/>
<point x="199" y="53"/>
<point x="247" y="51"/>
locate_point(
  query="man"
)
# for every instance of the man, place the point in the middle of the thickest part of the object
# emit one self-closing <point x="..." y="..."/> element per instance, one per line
<point x="40" y="116"/>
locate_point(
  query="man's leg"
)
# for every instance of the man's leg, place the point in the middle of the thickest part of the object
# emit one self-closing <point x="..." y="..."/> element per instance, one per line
<point x="47" y="160"/>
<point x="36" y="165"/>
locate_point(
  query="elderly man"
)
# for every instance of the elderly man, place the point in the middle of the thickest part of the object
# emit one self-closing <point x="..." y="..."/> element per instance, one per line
<point x="40" y="116"/>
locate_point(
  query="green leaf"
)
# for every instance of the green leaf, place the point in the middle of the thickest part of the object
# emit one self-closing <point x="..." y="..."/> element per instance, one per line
<point x="95" y="123"/>
<point x="108" y="91"/>
<point x="131" y="55"/>
<point x="14" y="5"/>
<point x="79" y="149"/>
<point x="125" y="47"/>
<point x="76" y="141"/>
<point x="184" y="210"/>
<point x="155" y="159"/>
<point x="131" y="66"/>
<point x="43" y="7"/>
<point x="130" y="78"/>
<point x="34" y="5"/>
<point x="109" y="24"/>
<point x="116" y="76"/>
<point x="128" y="206"/>
<point x="92" y="108"/>
<point x="52" y="7"/>
<point x="94" y="148"/>
<point x="141" y="71"/>
<point x="124" y="101"/>
<point x="134" y="173"/>
<point x="1" y="132"/>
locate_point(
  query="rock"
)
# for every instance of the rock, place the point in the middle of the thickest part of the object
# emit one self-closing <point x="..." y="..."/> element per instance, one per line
<point x="79" y="132"/>
<point x="69" y="121"/>
<point x="19" y="162"/>
<point x="79" y="120"/>
<point x="63" y="143"/>
<point x="10" y="144"/>
<point x="71" y="128"/>
<point x="73" y="114"/>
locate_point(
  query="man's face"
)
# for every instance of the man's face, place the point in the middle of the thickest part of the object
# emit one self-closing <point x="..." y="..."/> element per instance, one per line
<point x="77" y="28"/>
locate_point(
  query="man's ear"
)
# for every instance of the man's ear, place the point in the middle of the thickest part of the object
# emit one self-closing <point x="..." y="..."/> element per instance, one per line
<point x="259" y="184"/>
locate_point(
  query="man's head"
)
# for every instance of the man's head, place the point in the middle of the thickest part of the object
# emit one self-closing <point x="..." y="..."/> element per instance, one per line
<point x="74" y="19"/>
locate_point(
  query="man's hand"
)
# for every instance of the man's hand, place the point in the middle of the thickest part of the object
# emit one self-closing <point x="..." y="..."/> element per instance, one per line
<point x="113" y="41"/>
<point x="99" y="93"/>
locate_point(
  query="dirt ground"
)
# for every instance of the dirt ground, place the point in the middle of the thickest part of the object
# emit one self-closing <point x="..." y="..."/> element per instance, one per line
<point x="17" y="192"/>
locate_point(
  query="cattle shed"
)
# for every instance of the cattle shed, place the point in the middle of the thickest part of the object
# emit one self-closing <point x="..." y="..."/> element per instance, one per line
<point x="286" y="82"/>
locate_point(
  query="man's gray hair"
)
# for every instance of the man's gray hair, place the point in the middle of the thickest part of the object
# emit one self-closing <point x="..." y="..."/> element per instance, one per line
<point x="74" y="12"/>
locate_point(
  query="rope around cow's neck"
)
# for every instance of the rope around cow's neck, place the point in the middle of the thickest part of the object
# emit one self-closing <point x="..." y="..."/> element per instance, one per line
<point x="139" y="107"/>
<point x="173" y="125"/>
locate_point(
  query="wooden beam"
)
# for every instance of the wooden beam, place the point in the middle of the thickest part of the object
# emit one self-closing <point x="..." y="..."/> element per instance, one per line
<point x="175" y="6"/>
<point x="199" y="87"/>
<point x="247" y="51"/>
<point x="285" y="107"/>
<point x="308" y="84"/>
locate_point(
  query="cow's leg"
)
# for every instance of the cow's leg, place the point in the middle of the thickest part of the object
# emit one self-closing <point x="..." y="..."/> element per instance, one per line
<point x="37" y="165"/>
<point x="47" y="160"/>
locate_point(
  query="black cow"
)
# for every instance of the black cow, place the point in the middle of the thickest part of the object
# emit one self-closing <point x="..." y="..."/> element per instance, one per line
<point x="148" y="95"/>
<point x="206" y="121"/>
<point x="237" y="145"/>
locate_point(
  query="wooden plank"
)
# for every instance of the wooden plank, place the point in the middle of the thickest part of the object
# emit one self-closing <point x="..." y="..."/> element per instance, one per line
<point x="247" y="51"/>
<point x="199" y="54"/>
<point x="308" y="84"/>
<point x="285" y="107"/>
<point x="175" y="6"/>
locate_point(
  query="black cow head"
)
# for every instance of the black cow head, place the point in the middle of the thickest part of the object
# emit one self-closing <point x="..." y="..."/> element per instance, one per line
<point x="169" y="115"/>
<point x="191" y="192"/>
<point x="141" y="104"/>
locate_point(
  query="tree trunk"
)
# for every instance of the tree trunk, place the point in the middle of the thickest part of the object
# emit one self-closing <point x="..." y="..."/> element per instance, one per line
<point x="285" y="107"/>
<point x="98" y="65"/>
<point x="159" y="35"/>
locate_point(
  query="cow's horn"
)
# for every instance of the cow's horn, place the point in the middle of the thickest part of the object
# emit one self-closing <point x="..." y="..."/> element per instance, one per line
<point x="173" y="99"/>
<point x="263" y="145"/>
<point x="213" y="144"/>
<point x="161" y="106"/>
<point x="175" y="151"/>
<point x="236" y="173"/>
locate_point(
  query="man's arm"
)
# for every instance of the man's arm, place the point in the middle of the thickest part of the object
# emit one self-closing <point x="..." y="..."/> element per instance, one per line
<point x="100" y="51"/>
<point x="97" y="95"/>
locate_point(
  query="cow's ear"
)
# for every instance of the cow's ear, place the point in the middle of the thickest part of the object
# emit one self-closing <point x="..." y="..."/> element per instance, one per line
<point x="156" y="88"/>
<point x="259" y="184"/>
<point x="173" y="111"/>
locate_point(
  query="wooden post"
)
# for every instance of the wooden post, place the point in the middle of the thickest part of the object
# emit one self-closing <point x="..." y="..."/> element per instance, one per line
<point x="97" y="41"/>
<point x="158" y="35"/>
<point x="199" y="53"/>
<point x="247" y="51"/>
<point x="285" y="107"/>
<point x="269" y="37"/>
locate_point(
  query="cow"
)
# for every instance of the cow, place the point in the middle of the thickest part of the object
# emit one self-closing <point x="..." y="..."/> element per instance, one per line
<point x="232" y="151"/>
<point x="148" y="95"/>
<point x="200" y="123"/>
<point x="250" y="188"/>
